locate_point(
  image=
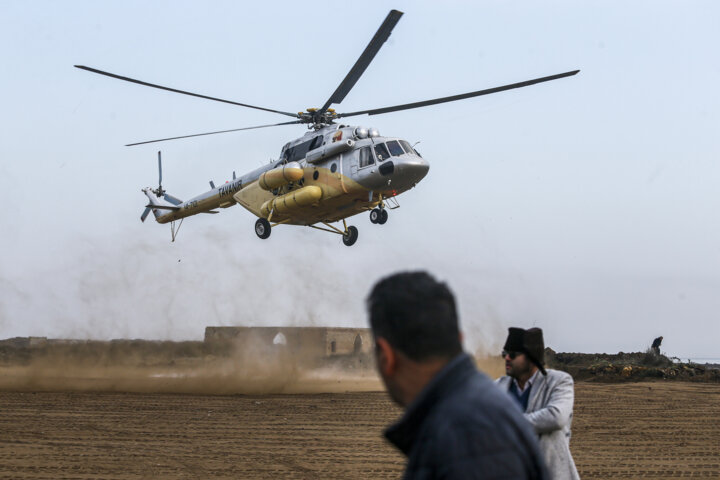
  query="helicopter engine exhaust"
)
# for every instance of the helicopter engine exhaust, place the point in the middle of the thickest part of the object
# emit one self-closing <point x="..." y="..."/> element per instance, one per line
<point x="299" y="198"/>
<point x="277" y="177"/>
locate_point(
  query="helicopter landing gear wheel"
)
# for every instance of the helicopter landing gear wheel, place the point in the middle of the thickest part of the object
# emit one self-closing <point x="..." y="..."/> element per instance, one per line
<point x="350" y="236"/>
<point x="375" y="215"/>
<point x="262" y="228"/>
<point x="383" y="217"/>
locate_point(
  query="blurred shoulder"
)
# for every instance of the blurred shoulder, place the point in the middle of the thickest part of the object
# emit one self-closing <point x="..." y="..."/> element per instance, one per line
<point x="558" y="376"/>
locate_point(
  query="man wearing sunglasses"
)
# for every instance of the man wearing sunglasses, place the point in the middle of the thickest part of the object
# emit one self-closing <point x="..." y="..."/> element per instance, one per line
<point x="545" y="396"/>
<point x="456" y="425"/>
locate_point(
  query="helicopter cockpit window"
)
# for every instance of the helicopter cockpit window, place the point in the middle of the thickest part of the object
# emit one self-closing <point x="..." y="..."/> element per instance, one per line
<point x="395" y="148"/>
<point x="366" y="157"/>
<point x="407" y="147"/>
<point x="381" y="152"/>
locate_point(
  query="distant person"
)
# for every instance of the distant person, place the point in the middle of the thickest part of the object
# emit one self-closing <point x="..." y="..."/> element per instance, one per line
<point x="456" y="425"/>
<point x="656" y="345"/>
<point x="546" y="397"/>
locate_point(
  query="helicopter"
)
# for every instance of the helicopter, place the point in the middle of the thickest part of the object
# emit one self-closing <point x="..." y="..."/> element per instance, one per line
<point x="331" y="173"/>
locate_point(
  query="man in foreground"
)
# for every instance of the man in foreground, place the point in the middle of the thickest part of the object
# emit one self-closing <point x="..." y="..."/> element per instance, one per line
<point x="546" y="397"/>
<point x="456" y="423"/>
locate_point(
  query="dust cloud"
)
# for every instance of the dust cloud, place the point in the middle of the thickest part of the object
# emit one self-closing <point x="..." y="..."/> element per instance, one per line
<point x="143" y="286"/>
<point x="207" y="368"/>
<point x="139" y="285"/>
<point x="180" y="367"/>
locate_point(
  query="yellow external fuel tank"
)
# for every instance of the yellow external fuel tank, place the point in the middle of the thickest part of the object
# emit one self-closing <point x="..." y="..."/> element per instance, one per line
<point x="277" y="177"/>
<point x="290" y="201"/>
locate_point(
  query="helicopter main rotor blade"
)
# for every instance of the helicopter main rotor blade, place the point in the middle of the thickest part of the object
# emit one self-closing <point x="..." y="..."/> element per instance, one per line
<point x="408" y="106"/>
<point x="140" y="82"/>
<point x="366" y="57"/>
<point x="212" y="133"/>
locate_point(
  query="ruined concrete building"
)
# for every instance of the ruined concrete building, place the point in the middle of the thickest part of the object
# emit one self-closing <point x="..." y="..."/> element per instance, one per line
<point x="318" y="341"/>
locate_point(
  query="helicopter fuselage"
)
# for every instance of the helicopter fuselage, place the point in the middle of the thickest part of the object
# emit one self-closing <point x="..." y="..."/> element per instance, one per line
<point x="349" y="169"/>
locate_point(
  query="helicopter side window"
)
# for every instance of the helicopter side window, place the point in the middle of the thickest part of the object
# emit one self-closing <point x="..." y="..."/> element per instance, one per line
<point x="299" y="150"/>
<point x="316" y="142"/>
<point x="381" y="152"/>
<point x="395" y="148"/>
<point x="366" y="157"/>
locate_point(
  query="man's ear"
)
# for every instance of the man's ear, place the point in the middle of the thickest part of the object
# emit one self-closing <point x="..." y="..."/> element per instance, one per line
<point x="386" y="357"/>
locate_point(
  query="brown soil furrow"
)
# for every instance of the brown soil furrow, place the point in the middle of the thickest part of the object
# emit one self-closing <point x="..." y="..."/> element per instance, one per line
<point x="629" y="430"/>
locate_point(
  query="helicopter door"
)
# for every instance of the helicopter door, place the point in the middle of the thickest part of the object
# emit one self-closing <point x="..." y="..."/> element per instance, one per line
<point x="351" y="159"/>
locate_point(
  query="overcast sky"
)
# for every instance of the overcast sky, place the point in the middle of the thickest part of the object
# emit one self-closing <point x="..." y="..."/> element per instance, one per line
<point x="587" y="206"/>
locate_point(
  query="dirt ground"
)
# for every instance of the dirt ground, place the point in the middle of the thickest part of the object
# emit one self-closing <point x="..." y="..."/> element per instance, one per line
<point x="629" y="430"/>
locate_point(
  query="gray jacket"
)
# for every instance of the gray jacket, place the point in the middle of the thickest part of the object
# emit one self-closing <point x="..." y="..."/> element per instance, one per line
<point x="549" y="411"/>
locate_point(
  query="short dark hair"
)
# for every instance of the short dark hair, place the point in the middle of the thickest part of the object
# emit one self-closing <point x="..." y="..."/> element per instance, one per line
<point x="416" y="314"/>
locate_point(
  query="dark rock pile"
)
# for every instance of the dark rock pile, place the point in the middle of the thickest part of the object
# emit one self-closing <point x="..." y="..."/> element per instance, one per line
<point x="629" y="367"/>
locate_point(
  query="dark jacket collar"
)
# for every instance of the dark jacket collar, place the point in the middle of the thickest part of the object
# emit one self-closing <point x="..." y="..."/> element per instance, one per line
<point x="404" y="432"/>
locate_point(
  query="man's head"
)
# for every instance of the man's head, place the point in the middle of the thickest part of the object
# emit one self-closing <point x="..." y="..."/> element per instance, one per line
<point x="415" y="325"/>
<point x="524" y="352"/>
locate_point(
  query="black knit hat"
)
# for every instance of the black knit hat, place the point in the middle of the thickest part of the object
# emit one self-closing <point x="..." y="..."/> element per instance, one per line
<point x="530" y="342"/>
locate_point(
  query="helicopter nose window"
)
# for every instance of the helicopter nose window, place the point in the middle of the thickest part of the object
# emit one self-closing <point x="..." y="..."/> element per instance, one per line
<point x="366" y="157"/>
<point x="381" y="152"/>
<point x="395" y="148"/>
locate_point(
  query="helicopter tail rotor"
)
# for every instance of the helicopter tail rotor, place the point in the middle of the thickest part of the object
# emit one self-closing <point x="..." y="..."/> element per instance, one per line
<point x="174" y="200"/>
<point x="145" y="213"/>
<point x="154" y="194"/>
<point x="159" y="192"/>
<point x="154" y="205"/>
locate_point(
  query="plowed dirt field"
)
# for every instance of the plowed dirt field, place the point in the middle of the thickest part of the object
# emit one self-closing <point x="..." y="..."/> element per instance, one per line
<point x="638" y="430"/>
